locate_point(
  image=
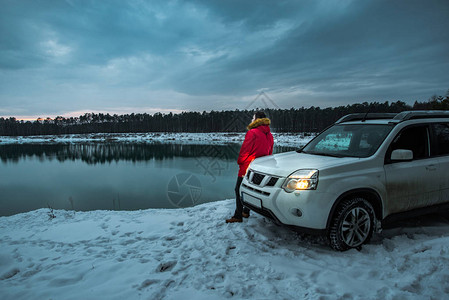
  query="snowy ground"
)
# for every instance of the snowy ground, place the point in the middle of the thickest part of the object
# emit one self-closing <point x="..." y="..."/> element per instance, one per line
<point x="281" y="139"/>
<point x="192" y="254"/>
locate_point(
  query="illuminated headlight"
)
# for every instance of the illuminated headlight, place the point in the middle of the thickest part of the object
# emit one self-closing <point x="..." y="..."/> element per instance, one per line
<point x="301" y="180"/>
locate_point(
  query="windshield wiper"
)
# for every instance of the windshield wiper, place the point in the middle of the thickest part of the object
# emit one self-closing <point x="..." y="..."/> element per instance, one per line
<point x="324" y="154"/>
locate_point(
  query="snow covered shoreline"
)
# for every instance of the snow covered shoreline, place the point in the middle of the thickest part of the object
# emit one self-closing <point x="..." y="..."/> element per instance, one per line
<point x="281" y="139"/>
<point x="192" y="254"/>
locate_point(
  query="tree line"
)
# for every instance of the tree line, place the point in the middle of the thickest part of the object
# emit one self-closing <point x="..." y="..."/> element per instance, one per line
<point x="312" y="119"/>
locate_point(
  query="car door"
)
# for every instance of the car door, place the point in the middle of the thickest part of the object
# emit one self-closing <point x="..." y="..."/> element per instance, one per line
<point x="441" y="140"/>
<point x="411" y="184"/>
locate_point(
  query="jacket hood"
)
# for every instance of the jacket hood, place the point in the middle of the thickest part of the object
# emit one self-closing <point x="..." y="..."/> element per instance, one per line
<point x="259" y="122"/>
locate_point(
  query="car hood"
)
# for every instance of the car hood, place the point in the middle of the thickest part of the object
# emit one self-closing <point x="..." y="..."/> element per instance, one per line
<point x="284" y="164"/>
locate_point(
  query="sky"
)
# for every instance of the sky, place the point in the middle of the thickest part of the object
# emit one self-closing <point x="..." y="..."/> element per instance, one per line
<point x="70" y="57"/>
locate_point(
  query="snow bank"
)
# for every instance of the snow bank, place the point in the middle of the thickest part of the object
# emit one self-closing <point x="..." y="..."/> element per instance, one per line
<point x="281" y="139"/>
<point x="192" y="254"/>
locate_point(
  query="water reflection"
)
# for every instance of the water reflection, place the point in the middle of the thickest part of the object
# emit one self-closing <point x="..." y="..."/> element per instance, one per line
<point x="115" y="176"/>
<point x="93" y="153"/>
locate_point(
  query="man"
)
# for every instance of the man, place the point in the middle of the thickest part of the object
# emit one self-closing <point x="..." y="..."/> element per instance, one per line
<point x="258" y="142"/>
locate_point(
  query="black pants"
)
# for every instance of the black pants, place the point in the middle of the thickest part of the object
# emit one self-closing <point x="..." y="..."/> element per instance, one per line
<point x="238" y="202"/>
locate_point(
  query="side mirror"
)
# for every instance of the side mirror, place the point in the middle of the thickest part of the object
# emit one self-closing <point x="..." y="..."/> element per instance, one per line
<point x="401" y="155"/>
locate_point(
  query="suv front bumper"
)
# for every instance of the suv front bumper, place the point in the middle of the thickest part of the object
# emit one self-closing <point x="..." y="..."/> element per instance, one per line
<point x="305" y="211"/>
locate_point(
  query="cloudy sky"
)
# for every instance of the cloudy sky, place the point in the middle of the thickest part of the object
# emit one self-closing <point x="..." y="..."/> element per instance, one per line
<point x="69" y="57"/>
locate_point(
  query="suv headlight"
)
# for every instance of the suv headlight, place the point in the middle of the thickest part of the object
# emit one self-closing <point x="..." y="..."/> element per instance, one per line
<point x="301" y="180"/>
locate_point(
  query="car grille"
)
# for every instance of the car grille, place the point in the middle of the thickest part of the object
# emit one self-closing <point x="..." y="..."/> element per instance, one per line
<point x="258" y="178"/>
<point x="272" y="181"/>
<point x="256" y="190"/>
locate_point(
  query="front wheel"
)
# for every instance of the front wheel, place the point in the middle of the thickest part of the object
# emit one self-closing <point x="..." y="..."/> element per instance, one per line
<point x="352" y="224"/>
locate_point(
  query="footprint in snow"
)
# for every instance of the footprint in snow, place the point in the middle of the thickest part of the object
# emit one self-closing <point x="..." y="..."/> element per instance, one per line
<point x="147" y="283"/>
<point x="9" y="274"/>
<point x="166" y="266"/>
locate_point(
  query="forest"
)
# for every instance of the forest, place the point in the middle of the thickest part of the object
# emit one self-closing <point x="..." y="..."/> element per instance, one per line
<point x="312" y="119"/>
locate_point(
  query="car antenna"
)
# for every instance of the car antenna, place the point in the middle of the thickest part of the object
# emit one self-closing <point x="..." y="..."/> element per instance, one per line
<point x="364" y="117"/>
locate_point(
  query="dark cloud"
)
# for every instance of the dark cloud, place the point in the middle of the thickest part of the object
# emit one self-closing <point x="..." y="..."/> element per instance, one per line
<point x="260" y="14"/>
<point x="61" y="56"/>
<point x="360" y="52"/>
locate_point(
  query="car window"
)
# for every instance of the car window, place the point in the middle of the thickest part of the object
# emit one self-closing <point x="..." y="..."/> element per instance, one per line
<point x="412" y="138"/>
<point x="441" y="132"/>
<point x="335" y="142"/>
<point x="349" y="140"/>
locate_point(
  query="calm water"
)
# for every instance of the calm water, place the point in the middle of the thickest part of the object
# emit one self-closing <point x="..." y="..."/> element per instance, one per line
<point x="115" y="176"/>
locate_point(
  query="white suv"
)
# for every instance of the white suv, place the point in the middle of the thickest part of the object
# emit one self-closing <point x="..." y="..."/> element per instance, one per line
<point x="357" y="175"/>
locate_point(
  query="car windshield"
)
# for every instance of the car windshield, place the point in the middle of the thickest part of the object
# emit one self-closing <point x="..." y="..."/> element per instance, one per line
<point x="348" y="140"/>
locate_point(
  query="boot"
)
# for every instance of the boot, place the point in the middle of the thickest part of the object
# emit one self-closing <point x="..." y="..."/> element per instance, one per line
<point x="234" y="220"/>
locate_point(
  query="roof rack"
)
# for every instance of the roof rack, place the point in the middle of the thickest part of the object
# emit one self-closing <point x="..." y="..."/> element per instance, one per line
<point x="396" y="117"/>
<point x="421" y="114"/>
<point x="366" y="116"/>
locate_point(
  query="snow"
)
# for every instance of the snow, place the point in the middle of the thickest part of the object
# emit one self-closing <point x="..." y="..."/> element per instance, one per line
<point x="280" y="139"/>
<point x="192" y="254"/>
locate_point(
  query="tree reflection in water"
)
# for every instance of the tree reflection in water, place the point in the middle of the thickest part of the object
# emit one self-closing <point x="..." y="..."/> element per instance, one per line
<point x="114" y="175"/>
<point x="94" y="153"/>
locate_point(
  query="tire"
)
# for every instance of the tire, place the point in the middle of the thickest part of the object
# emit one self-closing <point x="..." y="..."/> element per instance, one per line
<point x="352" y="224"/>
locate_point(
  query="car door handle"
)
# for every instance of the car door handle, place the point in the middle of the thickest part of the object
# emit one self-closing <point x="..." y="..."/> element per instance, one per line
<point x="431" y="168"/>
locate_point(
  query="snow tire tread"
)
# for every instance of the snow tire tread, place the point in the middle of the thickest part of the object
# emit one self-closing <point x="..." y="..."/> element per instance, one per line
<point x="334" y="230"/>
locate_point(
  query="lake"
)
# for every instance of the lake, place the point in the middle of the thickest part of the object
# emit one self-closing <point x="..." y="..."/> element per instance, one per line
<point x="115" y="176"/>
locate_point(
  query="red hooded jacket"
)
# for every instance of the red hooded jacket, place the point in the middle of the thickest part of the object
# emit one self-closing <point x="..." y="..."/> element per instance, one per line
<point x="258" y="142"/>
